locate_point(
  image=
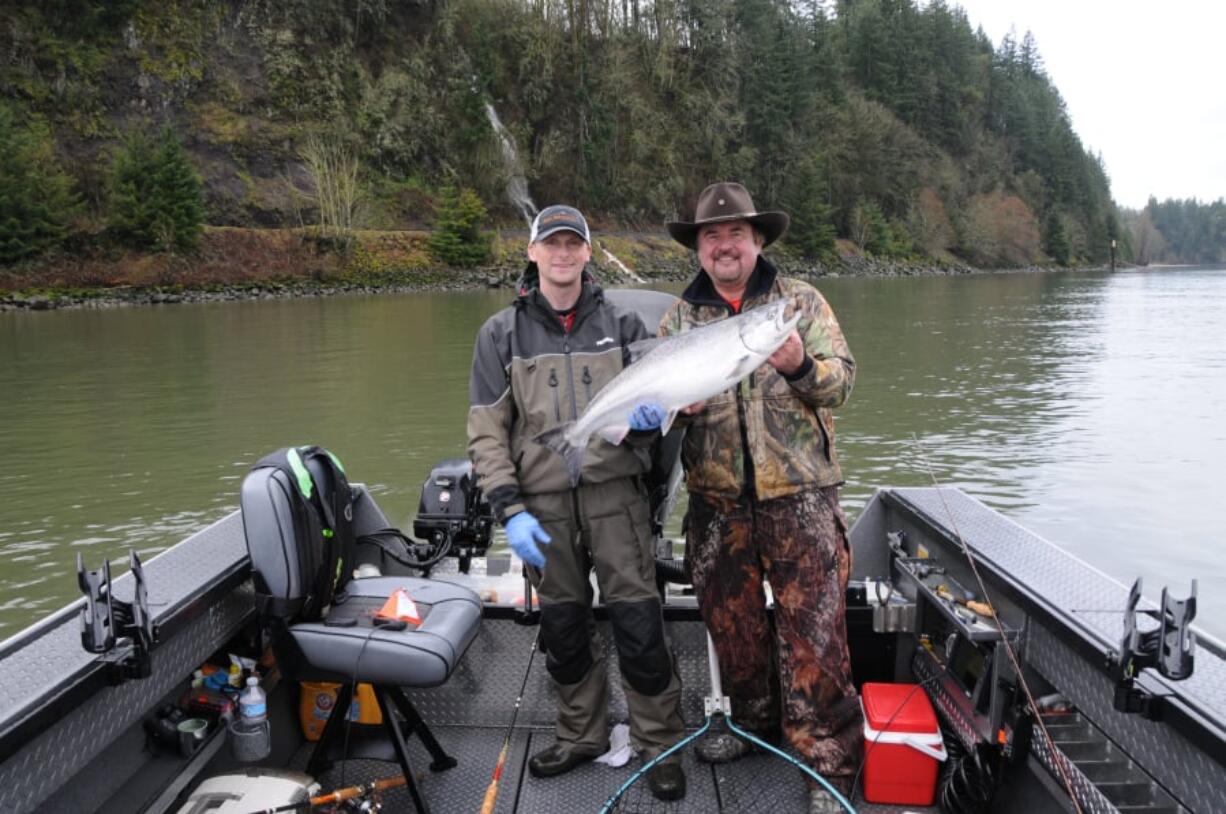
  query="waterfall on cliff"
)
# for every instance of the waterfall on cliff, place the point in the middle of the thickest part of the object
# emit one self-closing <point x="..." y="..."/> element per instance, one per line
<point x="517" y="185"/>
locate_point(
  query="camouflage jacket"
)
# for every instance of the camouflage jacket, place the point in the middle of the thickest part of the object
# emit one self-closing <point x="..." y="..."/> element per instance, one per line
<point x="528" y="376"/>
<point x="784" y="423"/>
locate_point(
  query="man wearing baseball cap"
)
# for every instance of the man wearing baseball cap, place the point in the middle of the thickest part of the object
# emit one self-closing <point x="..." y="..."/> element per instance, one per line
<point x="537" y="364"/>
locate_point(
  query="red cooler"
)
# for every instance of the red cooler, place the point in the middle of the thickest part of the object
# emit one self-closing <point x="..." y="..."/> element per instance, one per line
<point x="902" y="745"/>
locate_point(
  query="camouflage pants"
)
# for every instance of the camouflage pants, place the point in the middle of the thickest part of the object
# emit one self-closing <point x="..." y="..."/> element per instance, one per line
<point x="793" y="670"/>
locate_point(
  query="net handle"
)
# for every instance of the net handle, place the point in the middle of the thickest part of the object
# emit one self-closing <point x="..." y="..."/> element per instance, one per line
<point x="717" y="689"/>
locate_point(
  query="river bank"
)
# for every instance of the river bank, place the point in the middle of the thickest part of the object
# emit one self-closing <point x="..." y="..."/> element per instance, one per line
<point x="244" y="264"/>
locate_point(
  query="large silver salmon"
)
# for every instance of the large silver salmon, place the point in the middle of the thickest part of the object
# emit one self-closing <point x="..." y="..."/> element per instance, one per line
<point x="675" y="372"/>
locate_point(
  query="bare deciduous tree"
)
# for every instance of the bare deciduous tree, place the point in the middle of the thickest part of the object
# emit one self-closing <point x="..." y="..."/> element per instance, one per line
<point x="336" y="192"/>
<point x="1148" y="243"/>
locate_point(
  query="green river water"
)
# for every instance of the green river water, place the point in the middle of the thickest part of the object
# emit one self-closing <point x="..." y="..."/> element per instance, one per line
<point x="1089" y="407"/>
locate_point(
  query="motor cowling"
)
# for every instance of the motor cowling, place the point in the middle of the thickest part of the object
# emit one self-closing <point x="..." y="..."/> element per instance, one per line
<point x="453" y="512"/>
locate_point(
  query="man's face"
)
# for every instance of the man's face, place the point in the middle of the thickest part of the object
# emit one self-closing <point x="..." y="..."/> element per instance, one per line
<point x="728" y="251"/>
<point x="560" y="258"/>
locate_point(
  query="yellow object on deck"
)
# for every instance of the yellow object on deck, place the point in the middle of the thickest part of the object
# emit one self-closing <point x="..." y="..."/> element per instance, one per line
<point x="319" y="697"/>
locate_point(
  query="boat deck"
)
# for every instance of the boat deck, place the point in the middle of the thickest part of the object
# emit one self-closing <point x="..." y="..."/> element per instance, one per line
<point x="69" y="742"/>
<point x="471" y="712"/>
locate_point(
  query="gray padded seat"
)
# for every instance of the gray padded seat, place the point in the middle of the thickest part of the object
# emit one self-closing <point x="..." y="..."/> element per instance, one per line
<point x="345" y="646"/>
<point x="416" y="657"/>
<point x="421" y="657"/>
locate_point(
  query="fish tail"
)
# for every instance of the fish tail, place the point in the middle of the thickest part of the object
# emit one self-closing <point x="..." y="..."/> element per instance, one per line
<point x="556" y="439"/>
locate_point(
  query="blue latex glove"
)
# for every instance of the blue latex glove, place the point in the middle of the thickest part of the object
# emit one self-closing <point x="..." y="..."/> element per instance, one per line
<point x="647" y="416"/>
<point x="525" y="535"/>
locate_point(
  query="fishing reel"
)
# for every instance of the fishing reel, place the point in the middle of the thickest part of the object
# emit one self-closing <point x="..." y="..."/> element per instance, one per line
<point x="364" y="805"/>
<point x="453" y="516"/>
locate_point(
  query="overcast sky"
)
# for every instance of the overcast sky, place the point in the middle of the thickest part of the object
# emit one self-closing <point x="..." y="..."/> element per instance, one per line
<point x="1143" y="82"/>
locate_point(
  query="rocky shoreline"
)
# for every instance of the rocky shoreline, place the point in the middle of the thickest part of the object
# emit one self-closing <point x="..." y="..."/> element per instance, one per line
<point x="119" y="297"/>
<point x="650" y="269"/>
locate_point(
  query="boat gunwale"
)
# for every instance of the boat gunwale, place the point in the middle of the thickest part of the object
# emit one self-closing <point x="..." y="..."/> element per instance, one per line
<point x="71" y="611"/>
<point x="1183" y="714"/>
<point x="42" y="709"/>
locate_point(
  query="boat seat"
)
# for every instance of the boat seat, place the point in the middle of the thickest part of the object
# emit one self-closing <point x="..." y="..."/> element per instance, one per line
<point x="348" y="645"/>
<point x="422" y="656"/>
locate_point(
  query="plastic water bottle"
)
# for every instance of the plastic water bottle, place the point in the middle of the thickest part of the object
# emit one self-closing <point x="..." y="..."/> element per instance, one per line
<point x="252" y="705"/>
<point x="251" y="739"/>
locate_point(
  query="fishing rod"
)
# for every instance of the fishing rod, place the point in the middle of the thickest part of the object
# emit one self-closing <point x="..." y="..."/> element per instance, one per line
<point x="1000" y="629"/>
<point x="491" y="793"/>
<point x="360" y="789"/>
<point x="384" y="784"/>
<point x="340" y="795"/>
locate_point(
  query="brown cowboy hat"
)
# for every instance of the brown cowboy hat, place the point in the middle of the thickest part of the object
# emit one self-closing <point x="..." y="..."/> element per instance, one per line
<point x="723" y="202"/>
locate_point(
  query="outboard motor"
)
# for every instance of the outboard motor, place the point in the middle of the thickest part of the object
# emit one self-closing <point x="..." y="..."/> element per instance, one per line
<point x="453" y="517"/>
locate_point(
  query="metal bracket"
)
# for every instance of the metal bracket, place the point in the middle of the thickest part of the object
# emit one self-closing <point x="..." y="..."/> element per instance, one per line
<point x="892" y="611"/>
<point x="1168" y="648"/>
<point x="121" y="633"/>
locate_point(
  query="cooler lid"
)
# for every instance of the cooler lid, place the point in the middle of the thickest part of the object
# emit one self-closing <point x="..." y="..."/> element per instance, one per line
<point x="881" y="708"/>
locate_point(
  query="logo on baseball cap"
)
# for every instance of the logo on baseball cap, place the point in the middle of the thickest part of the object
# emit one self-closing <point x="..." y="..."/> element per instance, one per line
<point x="556" y="218"/>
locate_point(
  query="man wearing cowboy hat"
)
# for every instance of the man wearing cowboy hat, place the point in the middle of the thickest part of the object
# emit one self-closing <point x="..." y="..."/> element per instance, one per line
<point x="763" y="478"/>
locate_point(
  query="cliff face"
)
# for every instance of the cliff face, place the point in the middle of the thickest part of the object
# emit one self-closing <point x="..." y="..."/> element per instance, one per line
<point x="889" y="124"/>
<point x="241" y="83"/>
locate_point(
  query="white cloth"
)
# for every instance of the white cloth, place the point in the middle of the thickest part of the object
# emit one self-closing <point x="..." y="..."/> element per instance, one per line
<point x="619" y="747"/>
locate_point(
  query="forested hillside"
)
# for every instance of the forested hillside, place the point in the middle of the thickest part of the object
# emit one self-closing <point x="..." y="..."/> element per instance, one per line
<point x="1179" y="231"/>
<point x="892" y="123"/>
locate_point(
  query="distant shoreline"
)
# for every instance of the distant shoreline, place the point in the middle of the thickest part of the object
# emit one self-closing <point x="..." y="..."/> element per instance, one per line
<point x="242" y="264"/>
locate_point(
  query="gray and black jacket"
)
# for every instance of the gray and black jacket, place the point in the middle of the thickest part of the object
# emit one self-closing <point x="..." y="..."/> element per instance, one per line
<point x="528" y="376"/>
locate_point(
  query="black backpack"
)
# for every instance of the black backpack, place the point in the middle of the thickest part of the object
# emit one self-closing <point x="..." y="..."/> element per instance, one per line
<point x="322" y="507"/>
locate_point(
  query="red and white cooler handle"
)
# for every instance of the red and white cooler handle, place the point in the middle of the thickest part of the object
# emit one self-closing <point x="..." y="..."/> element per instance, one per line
<point x="928" y="744"/>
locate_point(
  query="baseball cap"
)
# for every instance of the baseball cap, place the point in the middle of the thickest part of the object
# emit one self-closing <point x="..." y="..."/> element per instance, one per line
<point x="556" y="218"/>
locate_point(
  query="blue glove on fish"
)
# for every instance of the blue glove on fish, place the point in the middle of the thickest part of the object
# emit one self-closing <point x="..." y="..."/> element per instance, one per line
<point x="647" y="416"/>
<point x="525" y="536"/>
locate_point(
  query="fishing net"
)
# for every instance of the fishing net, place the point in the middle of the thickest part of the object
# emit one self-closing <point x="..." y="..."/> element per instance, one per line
<point x="764" y="781"/>
<point x="769" y="779"/>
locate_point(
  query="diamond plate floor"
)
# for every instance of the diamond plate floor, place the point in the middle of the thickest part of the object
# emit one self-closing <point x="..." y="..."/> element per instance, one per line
<point x="461" y="790"/>
<point x="470" y="713"/>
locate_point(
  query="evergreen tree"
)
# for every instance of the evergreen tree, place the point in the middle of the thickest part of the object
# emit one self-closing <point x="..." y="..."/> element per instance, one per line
<point x="156" y="196"/>
<point x="36" y="198"/>
<point x="1028" y="56"/>
<point x="812" y="231"/>
<point x="898" y="240"/>
<point x="871" y="230"/>
<point x="457" y="239"/>
<point x="1191" y="232"/>
<point x="624" y="109"/>
<point x="1056" y="245"/>
<point x="180" y="194"/>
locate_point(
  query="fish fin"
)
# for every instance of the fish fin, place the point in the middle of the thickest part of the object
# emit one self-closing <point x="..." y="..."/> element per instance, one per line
<point x="668" y="422"/>
<point x="743" y="367"/>
<point x="556" y="440"/>
<point x="642" y="347"/>
<point x="614" y="433"/>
